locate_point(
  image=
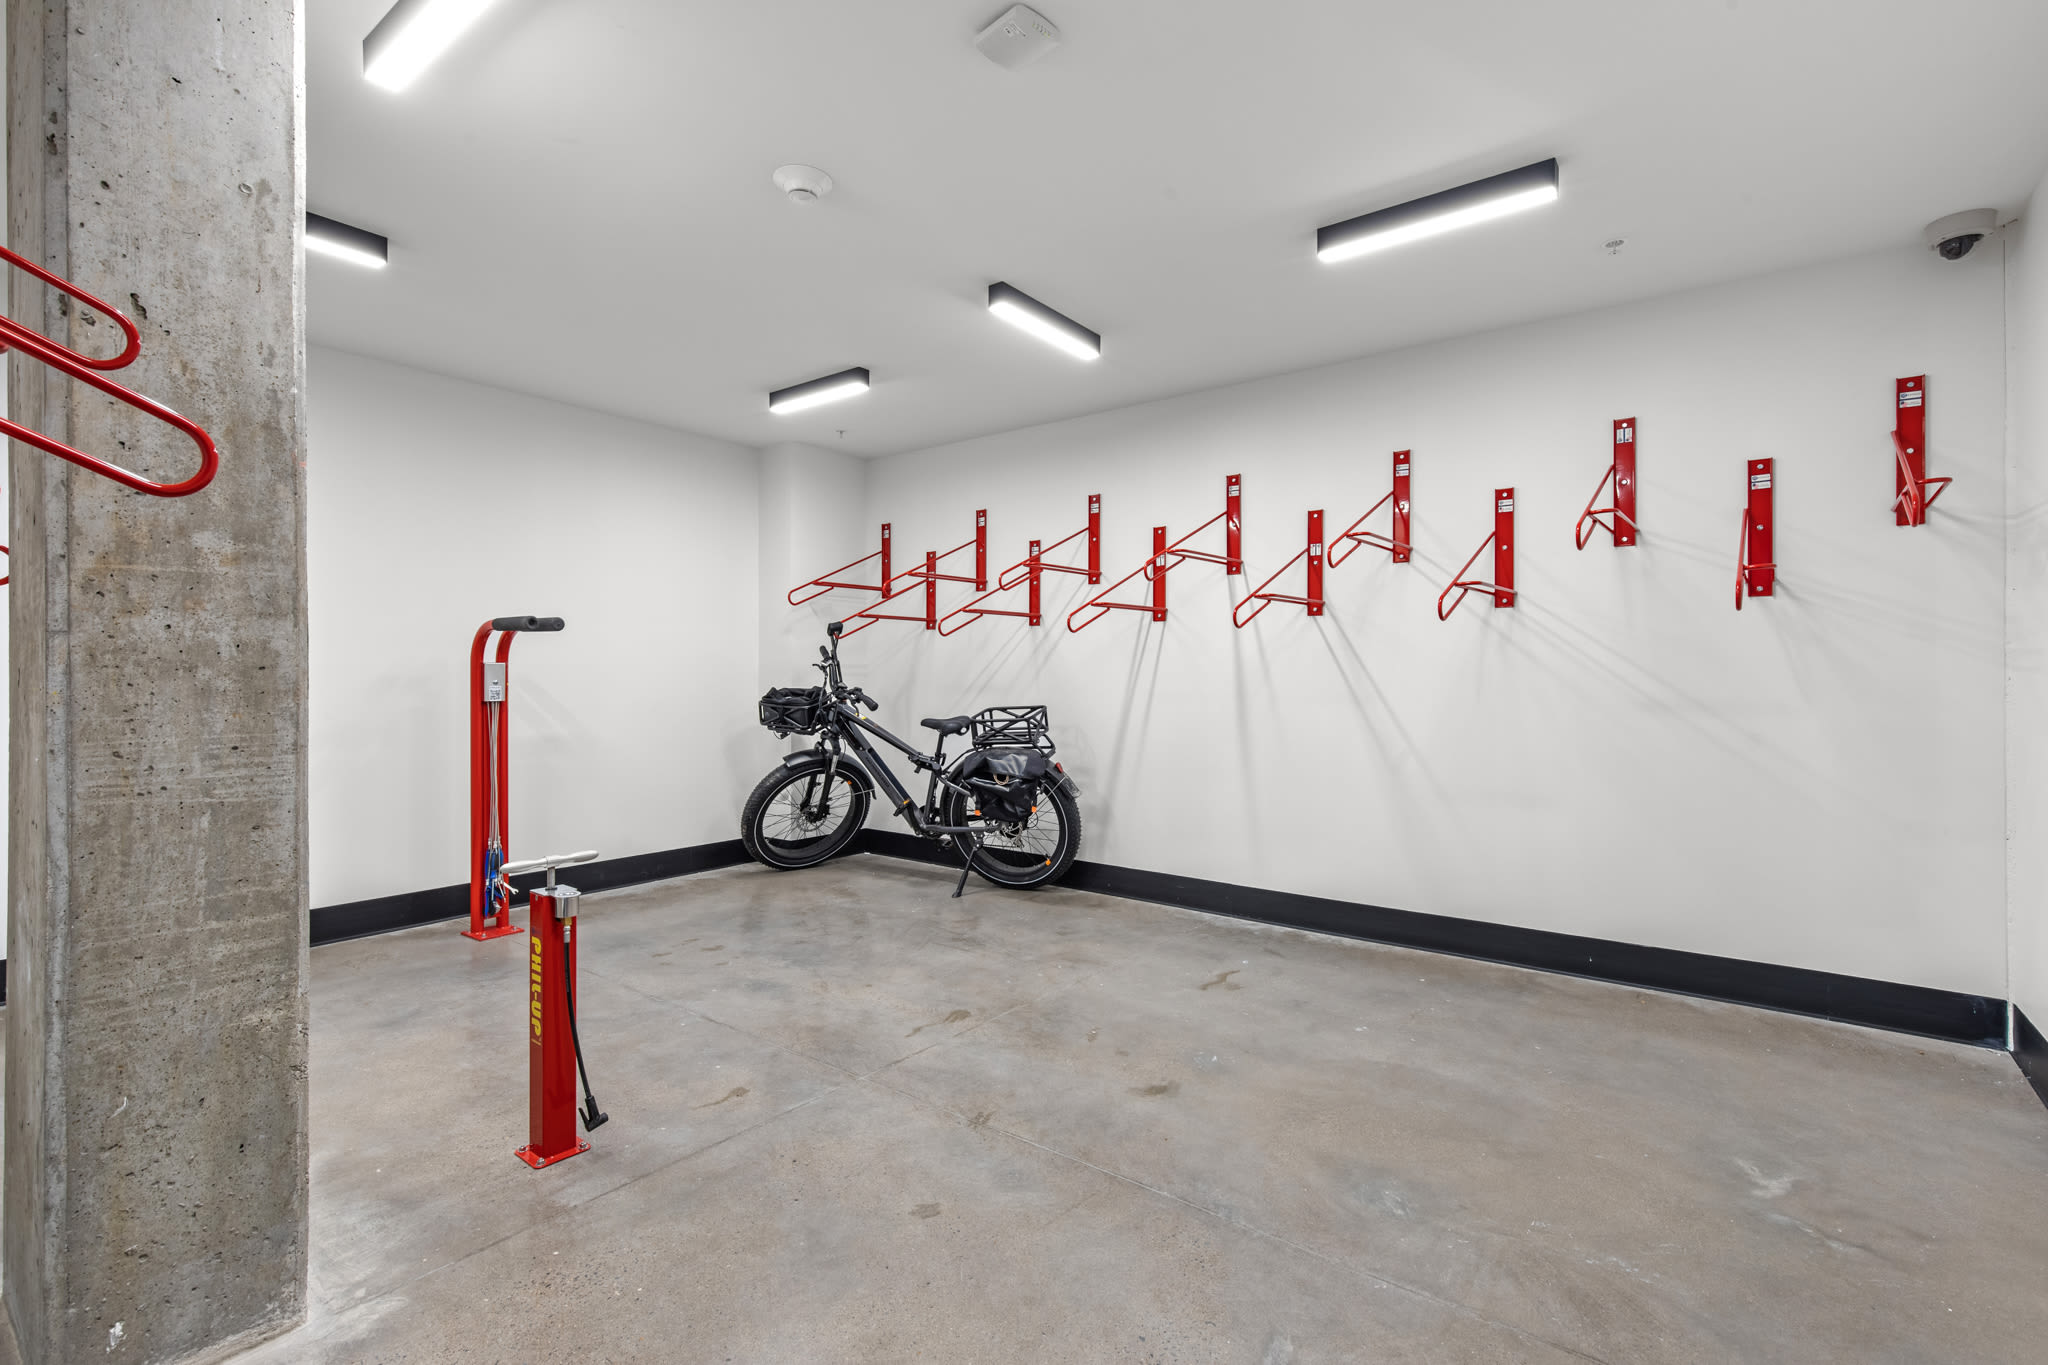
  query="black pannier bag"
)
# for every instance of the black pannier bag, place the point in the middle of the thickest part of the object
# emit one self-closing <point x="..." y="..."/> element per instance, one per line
<point x="1005" y="782"/>
<point x="794" y="710"/>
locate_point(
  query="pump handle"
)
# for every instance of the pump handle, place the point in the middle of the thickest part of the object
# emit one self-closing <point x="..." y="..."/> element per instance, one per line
<point x="552" y="861"/>
<point x="528" y="623"/>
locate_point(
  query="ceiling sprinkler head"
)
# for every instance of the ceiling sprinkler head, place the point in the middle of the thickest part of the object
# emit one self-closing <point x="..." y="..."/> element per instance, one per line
<point x="803" y="184"/>
<point x="1615" y="245"/>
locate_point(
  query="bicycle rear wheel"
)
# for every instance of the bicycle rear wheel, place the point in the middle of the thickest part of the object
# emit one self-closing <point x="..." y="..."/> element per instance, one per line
<point x="1031" y="853"/>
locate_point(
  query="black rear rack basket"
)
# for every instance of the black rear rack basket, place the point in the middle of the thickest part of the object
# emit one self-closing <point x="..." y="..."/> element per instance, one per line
<point x="1012" y="727"/>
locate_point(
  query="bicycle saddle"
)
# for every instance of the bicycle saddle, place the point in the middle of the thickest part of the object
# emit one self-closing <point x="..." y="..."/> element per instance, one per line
<point x="951" y="725"/>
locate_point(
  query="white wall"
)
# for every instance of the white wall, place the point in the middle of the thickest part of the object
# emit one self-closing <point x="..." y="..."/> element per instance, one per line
<point x="812" y="508"/>
<point x="435" y="504"/>
<point x="1816" y="781"/>
<point x="2027" y="612"/>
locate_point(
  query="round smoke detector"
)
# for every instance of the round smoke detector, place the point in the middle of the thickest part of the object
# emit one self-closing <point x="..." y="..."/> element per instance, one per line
<point x="803" y="184"/>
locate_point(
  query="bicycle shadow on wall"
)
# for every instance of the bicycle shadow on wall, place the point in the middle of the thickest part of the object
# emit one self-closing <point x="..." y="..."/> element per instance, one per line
<point x="1568" y="650"/>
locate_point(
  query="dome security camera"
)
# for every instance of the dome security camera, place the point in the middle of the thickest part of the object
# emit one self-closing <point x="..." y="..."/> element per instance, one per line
<point x="1955" y="235"/>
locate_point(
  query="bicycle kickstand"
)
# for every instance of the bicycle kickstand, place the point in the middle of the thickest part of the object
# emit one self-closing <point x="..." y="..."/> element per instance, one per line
<point x="966" y="862"/>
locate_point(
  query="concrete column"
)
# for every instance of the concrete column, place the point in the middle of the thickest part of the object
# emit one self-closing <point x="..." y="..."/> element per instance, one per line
<point x="155" y="1170"/>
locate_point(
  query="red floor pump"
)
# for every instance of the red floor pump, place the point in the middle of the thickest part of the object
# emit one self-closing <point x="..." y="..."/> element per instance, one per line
<point x="490" y="798"/>
<point x="554" y="1051"/>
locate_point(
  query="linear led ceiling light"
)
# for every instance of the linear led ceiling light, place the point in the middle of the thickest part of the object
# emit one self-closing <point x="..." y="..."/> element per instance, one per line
<point x="345" y="243"/>
<point x="1027" y="314"/>
<point x="817" y="392"/>
<point x="1494" y="197"/>
<point x="408" y="39"/>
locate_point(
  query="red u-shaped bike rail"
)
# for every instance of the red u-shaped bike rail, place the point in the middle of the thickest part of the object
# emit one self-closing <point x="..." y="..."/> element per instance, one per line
<point x="1032" y="569"/>
<point x="1313" y="553"/>
<point x="927" y="574"/>
<point x="1622" y="471"/>
<point x="87" y="369"/>
<point x="1758" y="577"/>
<point x="1502" y="588"/>
<point x="1917" y="492"/>
<point x="1399" y="540"/>
<point x="1167" y="557"/>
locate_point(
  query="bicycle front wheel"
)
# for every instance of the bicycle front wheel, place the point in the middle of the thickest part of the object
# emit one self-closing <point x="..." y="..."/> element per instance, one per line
<point x="795" y="818"/>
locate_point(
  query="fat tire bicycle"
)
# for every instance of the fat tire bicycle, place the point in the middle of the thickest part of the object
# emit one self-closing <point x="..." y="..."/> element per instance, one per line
<point x="1004" y="806"/>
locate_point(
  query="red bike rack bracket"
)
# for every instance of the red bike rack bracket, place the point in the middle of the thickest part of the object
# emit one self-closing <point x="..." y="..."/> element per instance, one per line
<point x="1755" y="574"/>
<point x="1400" y="541"/>
<point x="1313" y="553"/>
<point x="551" y="1056"/>
<point x="87" y="370"/>
<point x="1031" y="569"/>
<point x="1622" y="471"/>
<point x="1916" y="492"/>
<point x="930" y="577"/>
<point x="827" y="582"/>
<point x="1154" y="572"/>
<point x="1167" y="557"/>
<point x="1503" y="542"/>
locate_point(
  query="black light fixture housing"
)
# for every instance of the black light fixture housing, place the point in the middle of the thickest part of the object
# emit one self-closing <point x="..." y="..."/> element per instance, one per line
<point x="1482" y="200"/>
<point x="331" y="238"/>
<point x="1049" y="325"/>
<point x="817" y="392"/>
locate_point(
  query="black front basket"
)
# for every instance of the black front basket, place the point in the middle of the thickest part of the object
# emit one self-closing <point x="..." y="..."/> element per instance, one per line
<point x="794" y="710"/>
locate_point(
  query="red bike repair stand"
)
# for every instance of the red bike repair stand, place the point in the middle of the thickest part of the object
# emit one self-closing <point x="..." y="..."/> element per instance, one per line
<point x="490" y="796"/>
<point x="550" y="1023"/>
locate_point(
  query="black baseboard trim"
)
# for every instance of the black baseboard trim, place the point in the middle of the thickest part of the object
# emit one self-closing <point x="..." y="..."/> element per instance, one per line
<point x="2030" y="1050"/>
<point x="1922" y="1010"/>
<point x="332" y="924"/>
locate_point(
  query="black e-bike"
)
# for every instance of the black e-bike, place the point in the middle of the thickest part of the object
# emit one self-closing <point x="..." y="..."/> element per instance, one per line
<point x="1004" y="805"/>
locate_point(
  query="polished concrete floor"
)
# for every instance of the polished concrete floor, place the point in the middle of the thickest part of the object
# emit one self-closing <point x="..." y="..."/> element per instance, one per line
<point x="854" y="1120"/>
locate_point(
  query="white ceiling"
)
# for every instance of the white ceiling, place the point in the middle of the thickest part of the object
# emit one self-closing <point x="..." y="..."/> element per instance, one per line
<point x="579" y="204"/>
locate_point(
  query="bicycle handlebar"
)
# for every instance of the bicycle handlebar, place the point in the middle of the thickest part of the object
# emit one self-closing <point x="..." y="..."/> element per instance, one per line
<point x="529" y="623"/>
<point x="547" y="864"/>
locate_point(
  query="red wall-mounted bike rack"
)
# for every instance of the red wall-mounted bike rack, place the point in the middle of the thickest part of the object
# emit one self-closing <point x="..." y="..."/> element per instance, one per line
<point x="832" y="580"/>
<point x="1154" y="571"/>
<point x="1167" y="557"/>
<point x="1031" y="569"/>
<point x="87" y="370"/>
<point x="1503" y="542"/>
<point x="1401" y="541"/>
<point x="1916" y="492"/>
<point x="1622" y="470"/>
<point x="930" y="577"/>
<point x="1313" y="553"/>
<point x="1755" y="574"/>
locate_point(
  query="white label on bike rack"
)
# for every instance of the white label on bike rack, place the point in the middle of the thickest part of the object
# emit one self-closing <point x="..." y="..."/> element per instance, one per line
<point x="1909" y="398"/>
<point x="1505" y="505"/>
<point x="1762" y="480"/>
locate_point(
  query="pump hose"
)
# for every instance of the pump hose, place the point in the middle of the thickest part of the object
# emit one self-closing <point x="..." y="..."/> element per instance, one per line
<point x="593" y="1117"/>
